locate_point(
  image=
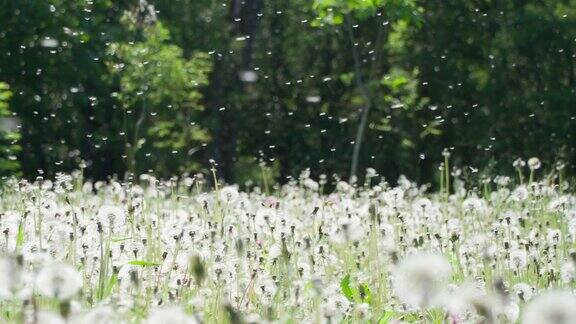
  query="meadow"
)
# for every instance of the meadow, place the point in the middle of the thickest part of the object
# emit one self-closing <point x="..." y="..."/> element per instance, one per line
<point x="288" y="161"/>
<point x="186" y="251"/>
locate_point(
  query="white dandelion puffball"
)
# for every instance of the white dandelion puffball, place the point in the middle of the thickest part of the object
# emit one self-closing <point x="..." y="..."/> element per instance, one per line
<point x="10" y="276"/>
<point x="58" y="281"/>
<point x="518" y="259"/>
<point x="229" y="194"/>
<point x="534" y="163"/>
<point x="99" y="315"/>
<point x="418" y="279"/>
<point x="554" y="307"/>
<point x="47" y="317"/>
<point x="111" y="216"/>
<point x="173" y="315"/>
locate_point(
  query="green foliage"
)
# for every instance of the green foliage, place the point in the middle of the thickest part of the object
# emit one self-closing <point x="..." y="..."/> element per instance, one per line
<point x="345" y="287"/>
<point x="51" y="54"/>
<point x="155" y="71"/>
<point x="387" y="317"/>
<point x="493" y="82"/>
<point x="9" y="138"/>
<point x="144" y="263"/>
<point x="156" y="80"/>
<point x="333" y="12"/>
<point x="500" y="76"/>
<point x="110" y="285"/>
<point x="5" y="95"/>
<point x="360" y="293"/>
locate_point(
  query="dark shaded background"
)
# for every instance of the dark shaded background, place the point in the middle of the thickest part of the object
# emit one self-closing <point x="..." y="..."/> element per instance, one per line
<point x="490" y="80"/>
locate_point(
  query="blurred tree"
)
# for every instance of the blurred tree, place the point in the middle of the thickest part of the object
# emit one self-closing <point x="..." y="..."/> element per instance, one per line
<point x="159" y="90"/>
<point x="347" y="12"/>
<point x="9" y="136"/>
<point x="499" y="77"/>
<point x="51" y="54"/>
<point x="331" y="85"/>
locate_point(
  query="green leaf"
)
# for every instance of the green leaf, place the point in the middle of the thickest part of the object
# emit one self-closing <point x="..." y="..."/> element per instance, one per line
<point x="345" y="286"/>
<point x="386" y="317"/>
<point x="364" y="293"/>
<point x="111" y="284"/>
<point x="120" y="239"/>
<point x="20" y="236"/>
<point x="144" y="263"/>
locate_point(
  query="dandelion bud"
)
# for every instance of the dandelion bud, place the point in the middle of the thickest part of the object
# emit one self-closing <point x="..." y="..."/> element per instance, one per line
<point x="500" y="288"/>
<point x="134" y="277"/>
<point x="198" y="269"/>
<point x="234" y="316"/>
<point x="239" y="246"/>
<point x="573" y="256"/>
<point x="454" y="237"/>
<point x="394" y="257"/>
<point x="65" y="308"/>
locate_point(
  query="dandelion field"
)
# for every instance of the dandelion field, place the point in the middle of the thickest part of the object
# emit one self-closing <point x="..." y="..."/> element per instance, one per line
<point x="302" y="161"/>
<point x="178" y="252"/>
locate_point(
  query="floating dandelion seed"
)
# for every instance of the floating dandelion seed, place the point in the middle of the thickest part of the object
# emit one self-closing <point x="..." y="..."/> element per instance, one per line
<point x="313" y="99"/>
<point x="49" y="42"/>
<point x="248" y="76"/>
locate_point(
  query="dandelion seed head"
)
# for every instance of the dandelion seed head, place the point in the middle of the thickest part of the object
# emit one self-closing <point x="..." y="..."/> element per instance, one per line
<point x="523" y="291"/>
<point x="418" y="278"/>
<point x="99" y="315"/>
<point x="568" y="271"/>
<point x="47" y="317"/>
<point x="518" y="259"/>
<point x="111" y="216"/>
<point x="58" y="281"/>
<point x="534" y="163"/>
<point x="10" y="276"/>
<point x="169" y="315"/>
<point x="554" y="307"/>
<point x="519" y="163"/>
<point x="229" y="194"/>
